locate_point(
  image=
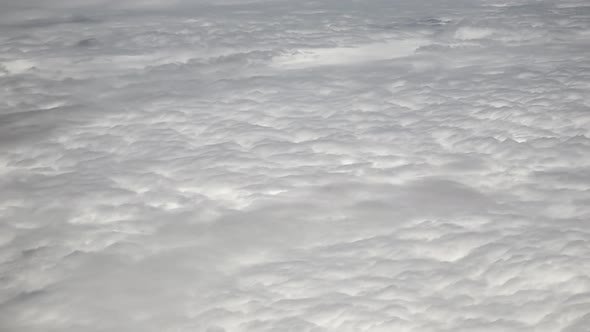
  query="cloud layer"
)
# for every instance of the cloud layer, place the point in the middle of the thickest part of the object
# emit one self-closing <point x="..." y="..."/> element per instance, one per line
<point x="282" y="166"/>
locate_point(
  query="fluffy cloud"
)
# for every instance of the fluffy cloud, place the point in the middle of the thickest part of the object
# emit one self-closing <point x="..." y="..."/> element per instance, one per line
<point x="294" y="166"/>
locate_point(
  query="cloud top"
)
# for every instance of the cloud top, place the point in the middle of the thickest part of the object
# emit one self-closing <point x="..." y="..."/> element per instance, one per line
<point x="294" y="166"/>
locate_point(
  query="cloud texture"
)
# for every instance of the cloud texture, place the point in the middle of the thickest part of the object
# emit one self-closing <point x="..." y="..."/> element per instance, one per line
<point x="295" y="166"/>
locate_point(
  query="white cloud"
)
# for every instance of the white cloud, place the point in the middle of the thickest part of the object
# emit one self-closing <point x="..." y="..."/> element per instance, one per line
<point x="313" y="57"/>
<point x="304" y="166"/>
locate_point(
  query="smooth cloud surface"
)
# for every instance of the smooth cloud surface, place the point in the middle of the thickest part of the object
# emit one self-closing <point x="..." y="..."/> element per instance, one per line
<point x="295" y="166"/>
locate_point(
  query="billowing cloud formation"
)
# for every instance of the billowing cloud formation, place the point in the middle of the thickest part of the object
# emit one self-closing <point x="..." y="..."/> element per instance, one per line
<point x="295" y="166"/>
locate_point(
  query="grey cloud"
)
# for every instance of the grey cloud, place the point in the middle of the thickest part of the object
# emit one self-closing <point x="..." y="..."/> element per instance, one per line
<point x="294" y="166"/>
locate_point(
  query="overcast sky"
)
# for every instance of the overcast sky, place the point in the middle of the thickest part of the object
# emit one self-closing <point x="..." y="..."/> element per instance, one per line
<point x="294" y="166"/>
